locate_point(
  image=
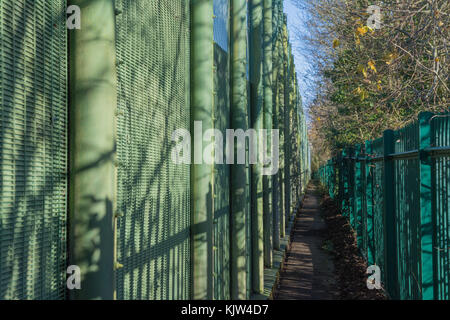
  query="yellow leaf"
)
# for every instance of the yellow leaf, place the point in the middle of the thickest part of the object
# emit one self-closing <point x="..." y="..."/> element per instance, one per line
<point x="363" y="94"/>
<point x="357" y="40"/>
<point x="335" y="43"/>
<point x="440" y="24"/>
<point x="371" y="65"/>
<point x="362" y="30"/>
<point x="362" y="70"/>
<point x="391" y="57"/>
<point x="436" y="59"/>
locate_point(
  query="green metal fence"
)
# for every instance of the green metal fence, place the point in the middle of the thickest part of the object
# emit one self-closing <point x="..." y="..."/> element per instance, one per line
<point x="220" y="192"/>
<point x="394" y="190"/>
<point x="33" y="149"/>
<point x="86" y="174"/>
<point x="153" y="193"/>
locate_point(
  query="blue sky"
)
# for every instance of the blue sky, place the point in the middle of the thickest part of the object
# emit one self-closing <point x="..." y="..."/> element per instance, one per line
<point x="295" y="19"/>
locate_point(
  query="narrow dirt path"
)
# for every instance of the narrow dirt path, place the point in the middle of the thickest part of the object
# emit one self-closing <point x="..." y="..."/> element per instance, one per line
<point x="308" y="272"/>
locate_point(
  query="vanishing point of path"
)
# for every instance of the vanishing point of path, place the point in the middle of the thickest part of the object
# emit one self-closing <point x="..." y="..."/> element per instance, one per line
<point x="308" y="273"/>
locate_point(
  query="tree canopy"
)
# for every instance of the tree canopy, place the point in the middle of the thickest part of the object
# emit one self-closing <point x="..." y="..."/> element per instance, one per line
<point x="374" y="77"/>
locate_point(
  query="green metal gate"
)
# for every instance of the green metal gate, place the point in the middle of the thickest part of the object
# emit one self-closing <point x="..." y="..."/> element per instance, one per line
<point x="153" y="193"/>
<point x="33" y="149"/>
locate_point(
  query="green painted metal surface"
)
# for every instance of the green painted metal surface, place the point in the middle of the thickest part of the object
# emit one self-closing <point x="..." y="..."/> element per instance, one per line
<point x="439" y="125"/>
<point x="407" y="214"/>
<point x="405" y="217"/>
<point x="276" y="89"/>
<point x="202" y="101"/>
<point x="281" y="124"/>
<point x="389" y="217"/>
<point x="359" y="198"/>
<point x="239" y="120"/>
<point x="377" y="205"/>
<point x="93" y="151"/>
<point x="368" y="208"/>
<point x="255" y="68"/>
<point x="267" y="112"/>
<point x="222" y="121"/>
<point x="141" y="226"/>
<point x="33" y="149"/>
<point x="287" y="134"/>
<point x="427" y="229"/>
<point x="153" y="192"/>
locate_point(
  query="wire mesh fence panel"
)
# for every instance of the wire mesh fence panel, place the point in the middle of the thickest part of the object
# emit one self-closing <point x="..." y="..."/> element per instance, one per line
<point x="249" y="204"/>
<point x="153" y="250"/>
<point x="287" y="137"/>
<point x="153" y="192"/>
<point x="33" y="149"/>
<point x="221" y="193"/>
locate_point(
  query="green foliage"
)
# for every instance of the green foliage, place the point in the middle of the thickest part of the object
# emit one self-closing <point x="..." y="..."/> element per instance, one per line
<point x="373" y="80"/>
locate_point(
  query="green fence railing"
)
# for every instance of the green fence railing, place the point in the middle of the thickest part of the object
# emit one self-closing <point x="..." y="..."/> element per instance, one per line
<point x="87" y="124"/>
<point x="395" y="192"/>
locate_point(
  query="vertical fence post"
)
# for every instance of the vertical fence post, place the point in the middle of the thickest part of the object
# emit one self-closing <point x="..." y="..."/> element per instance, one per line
<point x="238" y="171"/>
<point x="344" y="175"/>
<point x="335" y="178"/>
<point x="202" y="99"/>
<point x="369" y="205"/>
<point x="257" y="121"/>
<point x="275" y="111"/>
<point x="427" y="195"/>
<point x="358" y="198"/>
<point x="339" y="177"/>
<point x="351" y="193"/>
<point x="390" y="236"/>
<point x="93" y="103"/>
<point x="280" y="116"/>
<point x="330" y="178"/>
<point x="267" y="92"/>
<point x="287" y="135"/>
